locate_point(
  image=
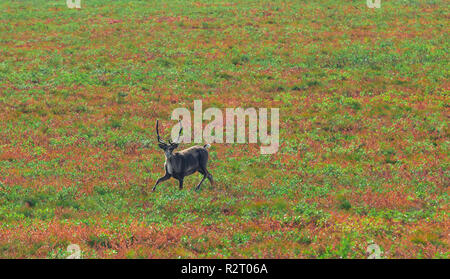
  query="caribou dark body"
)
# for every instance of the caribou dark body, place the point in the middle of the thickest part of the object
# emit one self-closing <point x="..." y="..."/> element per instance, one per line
<point x="183" y="163"/>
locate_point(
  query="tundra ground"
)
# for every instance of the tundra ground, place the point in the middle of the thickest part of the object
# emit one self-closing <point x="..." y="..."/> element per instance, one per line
<point x="364" y="139"/>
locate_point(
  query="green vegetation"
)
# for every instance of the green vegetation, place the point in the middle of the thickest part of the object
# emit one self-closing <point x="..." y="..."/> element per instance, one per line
<point x="364" y="106"/>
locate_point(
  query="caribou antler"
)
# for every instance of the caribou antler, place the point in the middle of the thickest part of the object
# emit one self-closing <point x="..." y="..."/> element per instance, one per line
<point x="157" y="133"/>
<point x="179" y="133"/>
<point x="170" y="142"/>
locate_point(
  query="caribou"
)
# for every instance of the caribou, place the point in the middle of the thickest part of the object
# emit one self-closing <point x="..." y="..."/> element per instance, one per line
<point x="183" y="163"/>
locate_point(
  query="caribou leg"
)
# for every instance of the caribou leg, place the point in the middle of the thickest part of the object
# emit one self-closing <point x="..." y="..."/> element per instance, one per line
<point x="161" y="179"/>
<point x="210" y="177"/>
